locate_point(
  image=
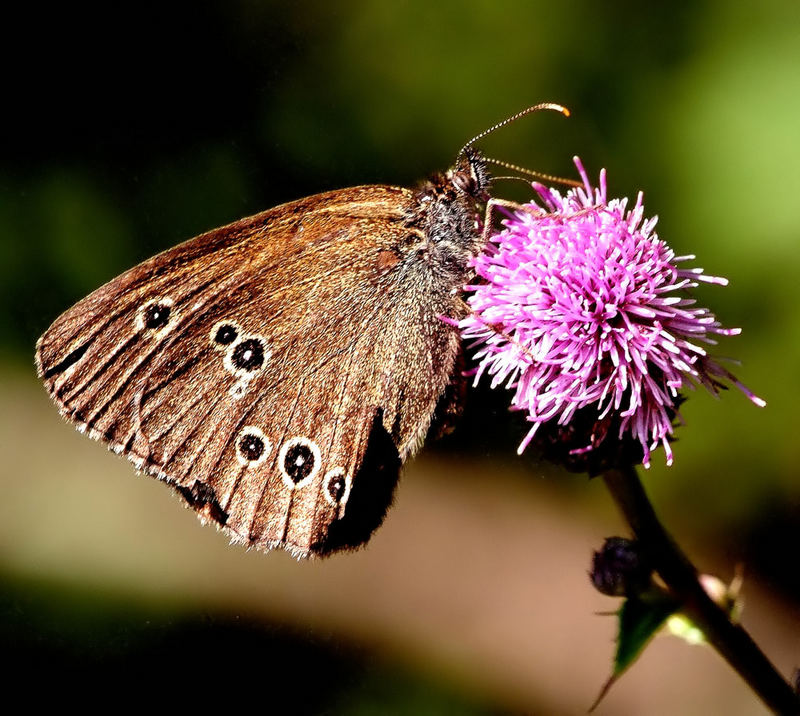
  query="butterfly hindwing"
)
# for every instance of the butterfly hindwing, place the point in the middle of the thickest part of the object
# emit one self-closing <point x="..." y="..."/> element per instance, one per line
<point x="275" y="372"/>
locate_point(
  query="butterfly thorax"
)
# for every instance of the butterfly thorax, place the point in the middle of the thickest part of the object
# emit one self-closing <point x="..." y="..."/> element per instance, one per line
<point x="449" y="212"/>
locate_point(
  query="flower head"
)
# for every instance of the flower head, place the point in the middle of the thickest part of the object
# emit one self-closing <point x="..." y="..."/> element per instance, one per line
<point x="584" y="312"/>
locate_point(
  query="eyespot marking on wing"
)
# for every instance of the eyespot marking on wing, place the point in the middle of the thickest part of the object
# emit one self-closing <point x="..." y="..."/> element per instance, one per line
<point x="224" y="333"/>
<point x="298" y="461"/>
<point x="252" y="446"/>
<point x="156" y="316"/>
<point x="246" y="356"/>
<point x="336" y="487"/>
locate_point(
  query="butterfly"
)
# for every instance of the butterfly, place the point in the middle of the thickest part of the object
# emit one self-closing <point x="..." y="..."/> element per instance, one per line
<point x="277" y="372"/>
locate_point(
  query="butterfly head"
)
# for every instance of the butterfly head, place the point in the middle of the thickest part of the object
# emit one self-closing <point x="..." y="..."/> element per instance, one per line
<point x="469" y="175"/>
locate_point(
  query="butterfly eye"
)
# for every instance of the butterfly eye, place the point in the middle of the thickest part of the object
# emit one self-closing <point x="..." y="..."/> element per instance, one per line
<point x="252" y="447"/>
<point x="154" y="315"/>
<point x="298" y="461"/>
<point x="336" y="487"/>
<point x="464" y="182"/>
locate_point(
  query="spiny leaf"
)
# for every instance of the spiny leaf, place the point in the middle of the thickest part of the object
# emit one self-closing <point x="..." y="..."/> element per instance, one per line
<point x="639" y="620"/>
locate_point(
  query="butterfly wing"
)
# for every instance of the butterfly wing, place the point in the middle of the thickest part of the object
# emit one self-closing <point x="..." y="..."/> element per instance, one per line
<point x="275" y="371"/>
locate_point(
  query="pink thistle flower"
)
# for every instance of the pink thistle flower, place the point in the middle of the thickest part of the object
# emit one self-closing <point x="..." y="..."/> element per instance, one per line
<point x="586" y="315"/>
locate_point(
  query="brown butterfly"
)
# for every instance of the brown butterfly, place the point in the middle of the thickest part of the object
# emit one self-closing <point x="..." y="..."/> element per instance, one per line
<point x="277" y="371"/>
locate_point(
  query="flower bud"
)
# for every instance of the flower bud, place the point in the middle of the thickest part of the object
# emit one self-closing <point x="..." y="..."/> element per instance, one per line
<point x="620" y="569"/>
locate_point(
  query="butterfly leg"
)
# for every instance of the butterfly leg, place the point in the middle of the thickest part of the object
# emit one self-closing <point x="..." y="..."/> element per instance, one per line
<point x="491" y="209"/>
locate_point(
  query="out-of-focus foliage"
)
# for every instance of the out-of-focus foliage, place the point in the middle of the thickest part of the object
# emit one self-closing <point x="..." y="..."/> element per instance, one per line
<point x="128" y="129"/>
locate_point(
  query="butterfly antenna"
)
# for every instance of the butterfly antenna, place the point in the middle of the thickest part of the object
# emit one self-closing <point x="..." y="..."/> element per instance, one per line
<point x="535" y="108"/>
<point x="550" y="178"/>
<point x="509" y="178"/>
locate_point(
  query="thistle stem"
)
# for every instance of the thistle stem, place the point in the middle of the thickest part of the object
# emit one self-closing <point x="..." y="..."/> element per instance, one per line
<point x="730" y="640"/>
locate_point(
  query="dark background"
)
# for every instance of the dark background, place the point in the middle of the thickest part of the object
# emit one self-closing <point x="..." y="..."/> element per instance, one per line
<point x="126" y="130"/>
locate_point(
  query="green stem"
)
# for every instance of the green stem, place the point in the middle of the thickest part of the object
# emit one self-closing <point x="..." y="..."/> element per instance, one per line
<point x="730" y="640"/>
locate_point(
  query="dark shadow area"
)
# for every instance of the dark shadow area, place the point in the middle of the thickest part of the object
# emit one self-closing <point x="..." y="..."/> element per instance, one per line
<point x="371" y="494"/>
<point x="65" y="648"/>
<point x="768" y="545"/>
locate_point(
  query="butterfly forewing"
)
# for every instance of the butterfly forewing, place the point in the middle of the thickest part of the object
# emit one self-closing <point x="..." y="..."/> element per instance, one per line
<point x="275" y="371"/>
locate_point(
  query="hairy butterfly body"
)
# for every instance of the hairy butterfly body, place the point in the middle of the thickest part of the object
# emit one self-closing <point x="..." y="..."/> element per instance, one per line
<point x="277" y="371"/>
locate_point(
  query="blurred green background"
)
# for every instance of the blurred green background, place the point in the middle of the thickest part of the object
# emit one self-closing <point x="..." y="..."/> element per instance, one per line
<point x="131" y="128"/>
